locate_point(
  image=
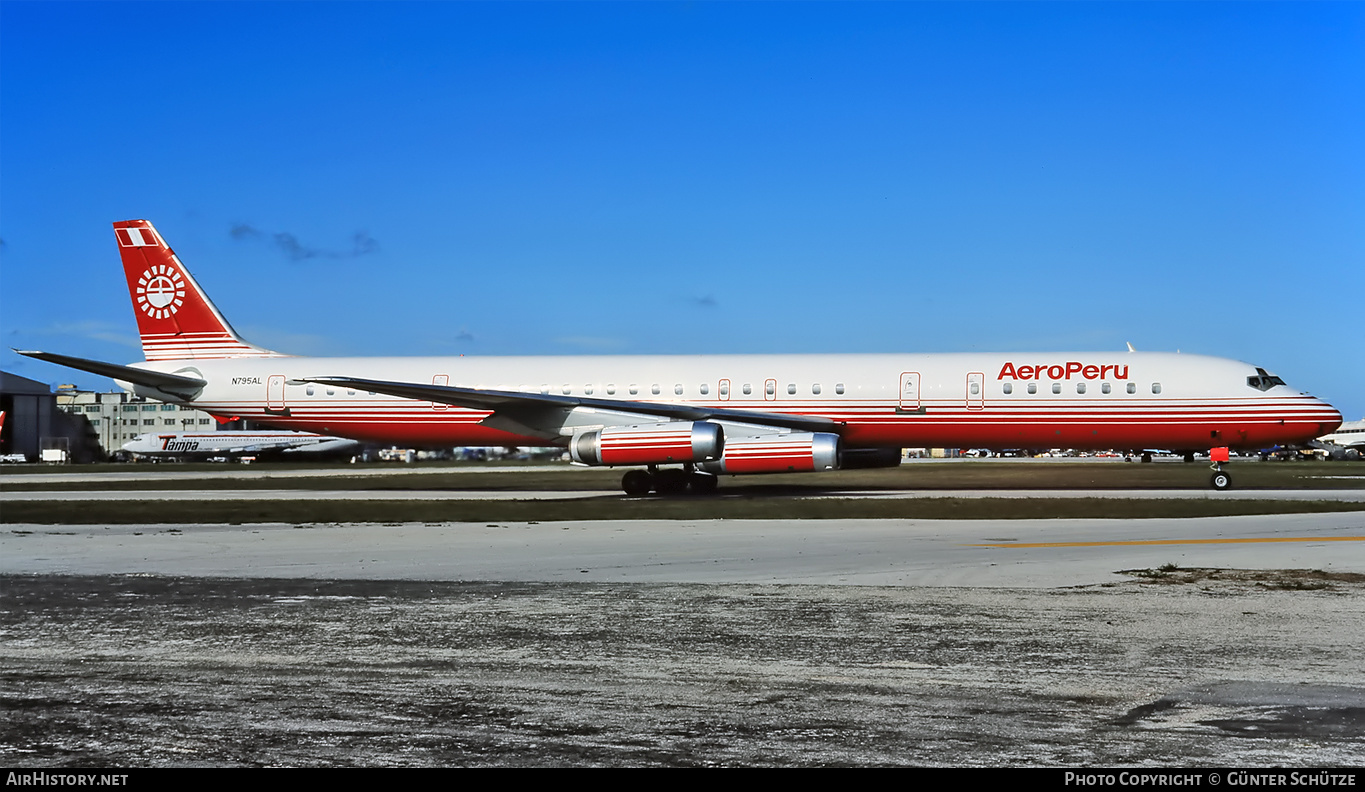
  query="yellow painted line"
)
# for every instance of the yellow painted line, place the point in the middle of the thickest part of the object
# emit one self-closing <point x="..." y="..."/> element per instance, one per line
<point x="1179" y="542"/>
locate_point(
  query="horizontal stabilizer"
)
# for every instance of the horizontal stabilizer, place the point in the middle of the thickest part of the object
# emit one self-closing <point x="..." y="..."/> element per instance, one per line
<point x="494" y="400"/>
<point x="170" y="383"/>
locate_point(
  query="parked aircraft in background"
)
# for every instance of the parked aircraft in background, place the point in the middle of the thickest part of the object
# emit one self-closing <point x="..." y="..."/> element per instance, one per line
<point x="232" y="445"/>
<point x="700" y="415"/>
<point x="1346" y="442"/>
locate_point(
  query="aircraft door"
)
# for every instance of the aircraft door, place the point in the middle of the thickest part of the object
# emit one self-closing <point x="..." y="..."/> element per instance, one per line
<point x="440" y="379"/>
<point x="909" y="392"/>
<point x="274" y="394"/>
<point x="976" y="391"/>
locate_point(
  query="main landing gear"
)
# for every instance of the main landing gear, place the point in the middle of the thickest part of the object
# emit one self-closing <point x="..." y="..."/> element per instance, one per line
<point x="669" y="481"/>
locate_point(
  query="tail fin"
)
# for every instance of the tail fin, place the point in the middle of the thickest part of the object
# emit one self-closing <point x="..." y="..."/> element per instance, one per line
<point x="174" y="316"/>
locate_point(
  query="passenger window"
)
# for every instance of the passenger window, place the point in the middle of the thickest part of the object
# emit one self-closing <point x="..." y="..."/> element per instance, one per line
<point x="567" y="390"/>
<point x="725" y="389"/>
<point x="1009" y="387"/>
<point x="654" y="389"/>
<point x="705" y="389"/>
<point x="815" y="389"/>
<point x="677" y="389"/>
<point x="791" y="389"/>
<point x="611" y="390"/>
<point x="1104" y="387"/>
<point x="1032" y="387"/>
<point x="747" y="390"/>
<point x="1132" y="387"/>
<point x="309" y="390"/>
<point x="1056" y="387"/>
<point x="770" y="388"/>
<point x="1080" y="387"/>
<point x="975" y="388"/>
<point x="839" y="388"/>
<point x="1156" y="387"/>
<point x="587" y="389"/>
<point x="634" y="389"/>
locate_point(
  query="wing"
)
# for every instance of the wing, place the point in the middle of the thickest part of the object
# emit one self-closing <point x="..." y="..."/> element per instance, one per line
<point x="516" y="405"/>
<point x="173" y="384"/>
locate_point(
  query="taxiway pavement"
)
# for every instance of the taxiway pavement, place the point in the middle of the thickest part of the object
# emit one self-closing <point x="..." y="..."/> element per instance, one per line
<point x="1029" y="553"/>
<point x="994" y="642"/>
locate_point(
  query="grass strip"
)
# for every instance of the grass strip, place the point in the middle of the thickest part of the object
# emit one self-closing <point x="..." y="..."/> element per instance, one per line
<point x="717" y="508"/>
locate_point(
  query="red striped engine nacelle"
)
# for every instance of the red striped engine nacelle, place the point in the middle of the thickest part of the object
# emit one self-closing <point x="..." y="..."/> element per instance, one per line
<point x="649" y="444"/>
<point x="794" y="452"/>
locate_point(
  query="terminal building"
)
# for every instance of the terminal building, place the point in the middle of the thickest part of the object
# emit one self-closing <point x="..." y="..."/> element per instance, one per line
<point x="73" y="425"/>
<point x="117" y="417"/>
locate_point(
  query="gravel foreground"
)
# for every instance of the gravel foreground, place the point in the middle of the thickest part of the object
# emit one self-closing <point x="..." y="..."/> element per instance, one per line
<point x="152" y="672"/>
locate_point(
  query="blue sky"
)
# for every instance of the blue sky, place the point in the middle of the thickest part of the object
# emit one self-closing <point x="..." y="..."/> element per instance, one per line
<point x="564" y="178"/>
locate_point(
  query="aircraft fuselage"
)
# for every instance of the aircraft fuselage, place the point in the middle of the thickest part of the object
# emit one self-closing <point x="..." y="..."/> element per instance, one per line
<point x="980" y="400"/>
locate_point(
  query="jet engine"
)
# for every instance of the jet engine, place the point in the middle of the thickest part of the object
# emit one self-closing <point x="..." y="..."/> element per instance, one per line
<point x="649" y="444"/>
<point x="778" y="453"/>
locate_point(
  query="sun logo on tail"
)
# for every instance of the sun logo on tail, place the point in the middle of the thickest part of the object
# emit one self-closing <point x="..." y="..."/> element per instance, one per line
<point x="160" y="291"/>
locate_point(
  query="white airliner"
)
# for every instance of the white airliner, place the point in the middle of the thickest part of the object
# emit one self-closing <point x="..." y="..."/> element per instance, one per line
<point x="233" y="444"/>
<point x="701" y="415"/>
<point x="1346" y="442"/>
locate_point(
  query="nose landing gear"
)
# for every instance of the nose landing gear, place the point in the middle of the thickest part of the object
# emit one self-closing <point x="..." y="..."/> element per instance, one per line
<point x="1221" y="479"/>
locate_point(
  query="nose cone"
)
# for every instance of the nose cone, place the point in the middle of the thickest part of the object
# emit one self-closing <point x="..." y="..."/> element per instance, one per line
<point x="1331" y="418"/>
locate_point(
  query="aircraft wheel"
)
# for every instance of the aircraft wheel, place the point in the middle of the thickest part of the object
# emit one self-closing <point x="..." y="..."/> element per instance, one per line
<point x="704" y="483"/>
<point x="672" y="481"/>
<point x="637" y="482"/>
<point x="1189" y="456"/>
<point x="1146" y="457"/>
<point x="1221" y="480"/>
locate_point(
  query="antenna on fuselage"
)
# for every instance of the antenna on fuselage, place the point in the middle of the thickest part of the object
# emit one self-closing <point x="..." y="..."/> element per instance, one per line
<point x="1130" y="346"/>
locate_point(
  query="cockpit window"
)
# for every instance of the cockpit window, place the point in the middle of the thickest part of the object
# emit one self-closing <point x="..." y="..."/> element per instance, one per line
<point x="1264" y="380"/>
